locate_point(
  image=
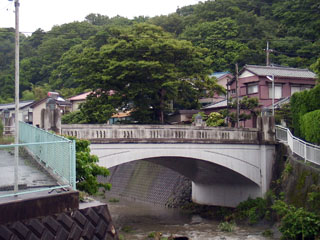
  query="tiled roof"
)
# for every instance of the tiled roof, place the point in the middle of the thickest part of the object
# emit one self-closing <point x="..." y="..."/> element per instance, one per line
<point x="219" y="74"/>
<point x="280" y="71"/>
<point x="82" y="96"/>
<point x="220" y="104"/>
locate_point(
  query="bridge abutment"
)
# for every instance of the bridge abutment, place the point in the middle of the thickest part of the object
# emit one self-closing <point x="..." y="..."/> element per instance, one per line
<point x="227" y="195"/>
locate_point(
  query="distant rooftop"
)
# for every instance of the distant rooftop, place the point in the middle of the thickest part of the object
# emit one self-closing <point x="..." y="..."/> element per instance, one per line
<point x="11" y="106"/>
<point x="221" y="104"/>
<point x="219" y="74"/>
<point x="82" y="96"/>
<point x="280" y="71"/>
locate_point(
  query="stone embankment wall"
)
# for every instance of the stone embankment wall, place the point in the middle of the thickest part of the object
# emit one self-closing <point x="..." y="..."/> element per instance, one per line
<point x="90" y="223"/>
<point x="296" y="178"/>
<point x="144" y="181"/>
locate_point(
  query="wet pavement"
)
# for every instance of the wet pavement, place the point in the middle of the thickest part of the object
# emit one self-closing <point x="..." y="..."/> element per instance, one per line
<point x="31" y="175"/>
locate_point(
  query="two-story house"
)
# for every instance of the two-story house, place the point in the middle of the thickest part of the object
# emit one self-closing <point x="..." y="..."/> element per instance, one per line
<point x="256" y="81"/>
<point x="222" y="79"/>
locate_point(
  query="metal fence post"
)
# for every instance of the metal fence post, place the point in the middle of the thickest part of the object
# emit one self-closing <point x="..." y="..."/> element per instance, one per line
<point x="73" y="164"/>
<point x="305" y="152"/>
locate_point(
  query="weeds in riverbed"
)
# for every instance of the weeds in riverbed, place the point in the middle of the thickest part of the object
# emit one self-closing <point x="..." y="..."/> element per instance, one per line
<point x="205" y="211"/>
<point x="114" y="200"/>
<point x="127" y="229"/>
<point x="267" y="233"/>
<point x="226" y="226"/>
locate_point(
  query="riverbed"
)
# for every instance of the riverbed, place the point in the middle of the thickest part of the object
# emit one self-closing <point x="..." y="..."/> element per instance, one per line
<point x="137" y="221"/>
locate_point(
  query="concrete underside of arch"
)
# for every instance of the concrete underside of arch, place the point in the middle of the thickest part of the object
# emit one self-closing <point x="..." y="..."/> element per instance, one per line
<point x="221" y="174"/>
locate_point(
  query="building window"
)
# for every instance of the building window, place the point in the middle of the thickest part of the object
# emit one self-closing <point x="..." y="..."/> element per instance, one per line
<point x="299" y="88"/>
<point x="252" y="88"/>
<point x="233" y="91"/>
<point x="277" y="91"/>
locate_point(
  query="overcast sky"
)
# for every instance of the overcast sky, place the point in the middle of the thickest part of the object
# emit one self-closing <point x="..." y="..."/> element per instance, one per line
<point x="44" y="14"/>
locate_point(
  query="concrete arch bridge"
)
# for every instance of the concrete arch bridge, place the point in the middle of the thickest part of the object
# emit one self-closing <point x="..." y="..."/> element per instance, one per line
<point x="225" y="165"/>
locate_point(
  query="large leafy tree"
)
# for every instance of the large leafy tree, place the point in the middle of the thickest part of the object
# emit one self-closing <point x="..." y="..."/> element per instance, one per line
<point x="217" y="36"/>
<point x="143" y="66"/>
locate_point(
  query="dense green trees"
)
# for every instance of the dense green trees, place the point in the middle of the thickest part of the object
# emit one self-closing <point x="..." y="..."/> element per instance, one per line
<point x="142" y="65"/>
<point x="224" y="31"/>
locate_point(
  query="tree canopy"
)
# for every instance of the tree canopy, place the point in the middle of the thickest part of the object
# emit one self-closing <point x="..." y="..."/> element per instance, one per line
<point x="160" y="59"/>
<point x="142" y="65"/>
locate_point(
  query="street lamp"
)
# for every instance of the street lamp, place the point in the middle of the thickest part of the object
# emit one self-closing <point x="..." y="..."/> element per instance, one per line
<point x="271" y="78"/>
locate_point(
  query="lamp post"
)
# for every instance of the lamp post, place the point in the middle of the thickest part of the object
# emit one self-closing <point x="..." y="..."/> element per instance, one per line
<point x="271" y="78"/>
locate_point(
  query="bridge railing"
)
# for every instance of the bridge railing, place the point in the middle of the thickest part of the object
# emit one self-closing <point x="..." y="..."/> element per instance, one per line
<point x="45" y="162"/>
<point x="159" y="133"/>
<point x="309" y="152"/>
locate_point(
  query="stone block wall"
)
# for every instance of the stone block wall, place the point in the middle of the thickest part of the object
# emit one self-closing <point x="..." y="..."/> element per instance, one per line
<point x="88" y="224"/>
<point x="148" y="182"/>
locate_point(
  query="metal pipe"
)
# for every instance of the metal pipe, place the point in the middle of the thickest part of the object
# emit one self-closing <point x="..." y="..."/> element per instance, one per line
<point x="16" y="148"/>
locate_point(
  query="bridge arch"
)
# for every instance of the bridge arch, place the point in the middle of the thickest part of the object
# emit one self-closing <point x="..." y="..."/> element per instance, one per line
<point x="222" y="174"/>
<point x="244" y="161"/>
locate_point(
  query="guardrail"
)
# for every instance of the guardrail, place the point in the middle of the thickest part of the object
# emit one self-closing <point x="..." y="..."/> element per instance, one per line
<point x="46" y="162"/>
<point x="309" y="152"/>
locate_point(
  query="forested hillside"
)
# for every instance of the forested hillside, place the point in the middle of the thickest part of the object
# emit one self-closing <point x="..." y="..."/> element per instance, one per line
<point x="82" y="55"/>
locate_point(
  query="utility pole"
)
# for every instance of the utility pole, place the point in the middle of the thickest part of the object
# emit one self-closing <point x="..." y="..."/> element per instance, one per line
<point x="273" y="95"/>
<point x="267" y="52"/>
<point x="16" y="117"/>
<point x="237" y="94"/>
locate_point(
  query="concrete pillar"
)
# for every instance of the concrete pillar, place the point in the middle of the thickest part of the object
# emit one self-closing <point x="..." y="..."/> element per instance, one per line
<point x="51" y="117"/>
<point x="266" y="125"/>
<point x="227" y="195"/>
<point x="267" y="156"/>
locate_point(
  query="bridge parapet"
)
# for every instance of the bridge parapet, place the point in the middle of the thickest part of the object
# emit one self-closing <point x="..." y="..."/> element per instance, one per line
<point x="103" y="133"/>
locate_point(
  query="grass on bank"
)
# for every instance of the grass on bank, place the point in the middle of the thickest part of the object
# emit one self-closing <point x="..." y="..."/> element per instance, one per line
<point x="4" y="140"/>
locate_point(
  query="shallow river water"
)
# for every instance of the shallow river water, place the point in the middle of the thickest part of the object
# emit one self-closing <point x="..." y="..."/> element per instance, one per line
<point x="136" y="221"/>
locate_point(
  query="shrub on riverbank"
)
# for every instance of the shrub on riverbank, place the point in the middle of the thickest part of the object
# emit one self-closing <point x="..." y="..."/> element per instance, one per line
<point x="296" y="223"/>
<point x="252" y="210"/>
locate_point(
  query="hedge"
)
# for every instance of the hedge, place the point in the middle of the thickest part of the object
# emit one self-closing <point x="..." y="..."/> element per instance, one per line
<point x="310" y="126"/>
<point x="302" y="103"/>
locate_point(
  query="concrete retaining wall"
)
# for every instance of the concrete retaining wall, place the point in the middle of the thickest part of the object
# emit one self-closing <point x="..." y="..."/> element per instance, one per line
<point x="148" y="182"/>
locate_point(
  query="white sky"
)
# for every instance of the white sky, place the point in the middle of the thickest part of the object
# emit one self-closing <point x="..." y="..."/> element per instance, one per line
<point x="45" y="14"/>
